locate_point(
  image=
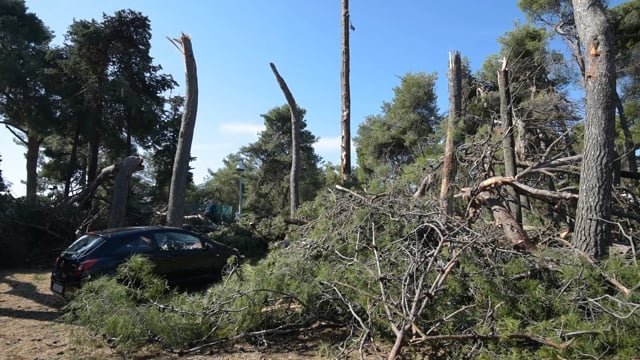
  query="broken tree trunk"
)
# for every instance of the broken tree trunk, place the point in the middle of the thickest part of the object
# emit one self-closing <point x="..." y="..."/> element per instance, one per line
<point x="119" y="194"/>
<point x="178" y="189"/>
<point x="455" y="109"/>
<point x="506" y="117"/>
<point x="512" y="230"/>
<point x="345" y="147"/>
<point x="294" y="178"/>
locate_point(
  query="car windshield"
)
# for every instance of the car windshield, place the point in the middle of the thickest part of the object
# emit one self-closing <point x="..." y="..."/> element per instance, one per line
<point x="84" y="244"/>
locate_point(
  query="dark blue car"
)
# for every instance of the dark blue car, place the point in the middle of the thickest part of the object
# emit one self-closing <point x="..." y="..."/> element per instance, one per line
<point x="180" y="256"/>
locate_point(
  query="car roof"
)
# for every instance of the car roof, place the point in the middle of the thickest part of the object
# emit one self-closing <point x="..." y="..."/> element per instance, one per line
<point x="133" y="230"/>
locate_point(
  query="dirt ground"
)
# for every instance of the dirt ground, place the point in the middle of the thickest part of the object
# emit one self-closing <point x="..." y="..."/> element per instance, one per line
<point x="30" y="328"/>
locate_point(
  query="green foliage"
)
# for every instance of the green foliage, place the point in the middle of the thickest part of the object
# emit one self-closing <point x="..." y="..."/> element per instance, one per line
<point x="267" y="165"/>
<point x="105" y="82"/>
<point x="32" y="242"/>
<point x="399" y="135"/>
<point x="251" y="243"/>
<point x="136" y="307"/>
<point x="329" y="272"/>
<point x="164" y="140"/>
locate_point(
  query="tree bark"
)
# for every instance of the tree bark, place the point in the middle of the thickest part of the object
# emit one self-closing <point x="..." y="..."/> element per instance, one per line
<point x="178" y="189"/>
<point x="592" y="229"/>
<point x="455" y="109"/>
<point x="120" y="191"/>
<point x="510" y="227"/>
<point x="33" y="150"/>
<point x="629" y="146"/>
<point x="94" y="133"/>
<point x="506" y="117"/>
<point x="73" y="159"/>
<point x="345" y="148"/>
<point x="294" y="178"/>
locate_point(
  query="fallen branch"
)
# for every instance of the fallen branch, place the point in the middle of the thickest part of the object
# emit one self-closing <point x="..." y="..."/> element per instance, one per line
<point x="281" y="330"/>
<point x="510" y="227"/>
<point x="498" y="338"/>
<point x="623" y="289"/>
<point x="341" y="188"/>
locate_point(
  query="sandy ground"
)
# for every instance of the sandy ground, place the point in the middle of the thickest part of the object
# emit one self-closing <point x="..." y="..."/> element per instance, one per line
<point x="30" y="328"/>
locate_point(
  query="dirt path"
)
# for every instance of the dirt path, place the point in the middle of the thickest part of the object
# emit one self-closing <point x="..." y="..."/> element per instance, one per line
<point x="30" y="328"/>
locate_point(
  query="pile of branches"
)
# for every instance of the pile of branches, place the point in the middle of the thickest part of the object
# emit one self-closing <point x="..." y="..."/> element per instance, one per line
<point x="406" y="272"/>
<point x="397" y="277"/>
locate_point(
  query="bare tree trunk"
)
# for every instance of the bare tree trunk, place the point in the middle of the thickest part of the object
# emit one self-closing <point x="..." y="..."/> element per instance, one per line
<point x="73" y="158"/>
<point x="455" y="109"/>
<point x="94" y="133"/>
<point x="294" y="178"/>
<point x="629" y="146"/>
<point x="175" y="212"/>
<point x="592" y="229"/>
<point x="506" y="117"/>
<point x="345" y="148"/>
<point x="120" y="191"/>
<point x="33" y="150"/>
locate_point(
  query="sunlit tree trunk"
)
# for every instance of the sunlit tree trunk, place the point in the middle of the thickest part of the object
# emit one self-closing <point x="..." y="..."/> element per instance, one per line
<point x="178" y="189"/>
<point x="506" y="117"/>
<point x="592" y="229"/>
<point x="455" y="109"/>
<point x="345" y="148"/>
<point x="294" y="176"/>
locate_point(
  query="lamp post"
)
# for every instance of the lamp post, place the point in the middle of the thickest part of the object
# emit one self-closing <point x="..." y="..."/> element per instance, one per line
<point x="240" y="171"/>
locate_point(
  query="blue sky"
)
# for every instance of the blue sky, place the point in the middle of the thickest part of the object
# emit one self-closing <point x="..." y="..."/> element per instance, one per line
<point x="234" y="41"/>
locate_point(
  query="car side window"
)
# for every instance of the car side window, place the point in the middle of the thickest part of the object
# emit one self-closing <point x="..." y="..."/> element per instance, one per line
<point x="186" y="241"/>
<point x="164" y="241"/>
<point x="139" y="244"/>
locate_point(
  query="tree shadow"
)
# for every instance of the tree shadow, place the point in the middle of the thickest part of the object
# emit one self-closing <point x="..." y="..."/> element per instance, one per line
<point x="29" y="291"/>
<point x="30" y="314"/>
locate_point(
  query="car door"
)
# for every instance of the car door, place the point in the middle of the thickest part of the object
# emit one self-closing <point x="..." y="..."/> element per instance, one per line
<point x="193" y="254"/>
<point x="182" y="256"/>
<point x="135" y="245"/>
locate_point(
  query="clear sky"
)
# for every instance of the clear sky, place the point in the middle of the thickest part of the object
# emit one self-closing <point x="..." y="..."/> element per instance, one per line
<point x="234" y="41"/>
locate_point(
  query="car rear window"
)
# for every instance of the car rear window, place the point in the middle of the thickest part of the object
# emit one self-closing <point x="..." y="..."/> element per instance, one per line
<point x="85" y="244"/>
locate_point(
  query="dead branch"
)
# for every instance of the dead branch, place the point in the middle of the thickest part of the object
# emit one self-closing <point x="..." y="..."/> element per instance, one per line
<point x="511" y="228"/>
<point x="498" y="338"/>
<point x="341" y="188"/>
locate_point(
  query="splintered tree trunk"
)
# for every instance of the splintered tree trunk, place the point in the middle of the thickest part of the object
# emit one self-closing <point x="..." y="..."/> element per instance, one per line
<point x="178" y="189"/>
<point x="512" y="230"/>
<point x="592" y="228"/>
<point x="345" y="147"/>
<point x="294" y="178"/>
<point x="455" y="109"/>
<point x="506" y="116"/>
<point x="119" y="195"/>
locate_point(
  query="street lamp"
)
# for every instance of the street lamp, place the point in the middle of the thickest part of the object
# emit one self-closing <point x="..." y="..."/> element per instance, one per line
<point x="240" y="171"/>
